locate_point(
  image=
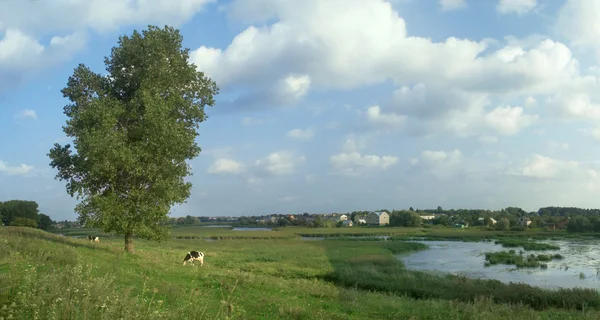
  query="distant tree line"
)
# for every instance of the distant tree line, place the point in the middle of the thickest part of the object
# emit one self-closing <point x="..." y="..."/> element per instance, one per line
<point x="568" y="211"/>
<point x="25" y="214"/>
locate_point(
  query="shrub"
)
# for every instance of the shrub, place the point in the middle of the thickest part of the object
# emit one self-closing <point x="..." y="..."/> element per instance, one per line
<point x="24" y="222"/>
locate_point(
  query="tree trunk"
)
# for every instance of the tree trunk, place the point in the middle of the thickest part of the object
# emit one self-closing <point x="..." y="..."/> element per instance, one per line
<point x="129" y="242"/>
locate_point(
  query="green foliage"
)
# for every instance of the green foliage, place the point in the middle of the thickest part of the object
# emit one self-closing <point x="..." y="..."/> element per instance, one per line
<point x="23" y="222"/>
<point x="405" y="218"/>
<point x="503" y="224"/>
<point x="45" y="222"/>
<point x="520" y="260"/>
<point x="133" y="131"/>
<point x="373" y="272"/>
<point x="526" y="244"/>
<point x="13" y="209"/>
<point x="584" y="224"/>
<point x="45" y="276"/>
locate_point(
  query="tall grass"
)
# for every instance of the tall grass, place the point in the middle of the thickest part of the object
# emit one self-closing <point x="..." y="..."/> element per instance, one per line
<point x="44" y="276"/>
<point x="527" y="245"/>
<point x="387" y="275"/>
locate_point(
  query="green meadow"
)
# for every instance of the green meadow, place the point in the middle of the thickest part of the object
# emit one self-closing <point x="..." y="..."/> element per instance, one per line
<point x="267" y="275"/>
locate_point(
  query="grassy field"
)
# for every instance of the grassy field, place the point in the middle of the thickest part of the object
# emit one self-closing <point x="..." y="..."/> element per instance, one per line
<point x="46" y="276"/>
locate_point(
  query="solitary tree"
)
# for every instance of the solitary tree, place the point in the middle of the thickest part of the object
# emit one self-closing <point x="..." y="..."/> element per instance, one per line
<point x="133" y="130"/>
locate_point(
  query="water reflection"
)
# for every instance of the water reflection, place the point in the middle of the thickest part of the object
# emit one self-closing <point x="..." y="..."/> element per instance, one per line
<point x="579" y="268"/>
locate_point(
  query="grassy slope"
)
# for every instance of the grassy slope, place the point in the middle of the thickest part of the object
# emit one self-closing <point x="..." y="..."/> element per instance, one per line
<point x="242" y="279"/>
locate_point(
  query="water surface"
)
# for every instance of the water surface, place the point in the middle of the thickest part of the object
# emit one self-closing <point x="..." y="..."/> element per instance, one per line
<point x="252" y="229"/>
<point x="467" y="258"/>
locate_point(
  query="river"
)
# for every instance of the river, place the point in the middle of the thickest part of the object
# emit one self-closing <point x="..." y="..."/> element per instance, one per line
<point x="467" y="258"/>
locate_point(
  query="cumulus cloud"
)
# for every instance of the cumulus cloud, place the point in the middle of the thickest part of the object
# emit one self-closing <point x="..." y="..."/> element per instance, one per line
<point x="440" y="163"/>
<point x="301" y="134"/>
<point x="279" y="163"/>
<point x="21" y="169"/>
<point x="43" y="17"/>
<point x="390" y="120"/>
<point x="509" y="120"/>
<point x="224" y="165"/>
<point x="577" y="105"/>
<point x="66" y="24"/>
<point x="26" y="114"/>
<point x="346" y="55"/>
<point x="450" y="5"/>
<point x="520" y="7"/>
<point x="543" y="167"/>
<point x="353" y="163"/>
<point x="578" y="21"/>
<point x="354" y="142"/>
<point x="249" y="121"/>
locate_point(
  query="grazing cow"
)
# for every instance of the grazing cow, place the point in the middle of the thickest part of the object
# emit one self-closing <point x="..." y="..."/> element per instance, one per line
<point x="94" y="238"/>
<point x="192" y="256"/>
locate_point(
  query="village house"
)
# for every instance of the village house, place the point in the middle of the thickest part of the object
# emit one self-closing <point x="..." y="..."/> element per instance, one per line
<point x="378" y="218"/>
<point x="431" y="217"/>
<point x="482" y="220"/>
<point x="347" y="223"/>
<point x="524" y="221"/>
<point x="562" y="224"/>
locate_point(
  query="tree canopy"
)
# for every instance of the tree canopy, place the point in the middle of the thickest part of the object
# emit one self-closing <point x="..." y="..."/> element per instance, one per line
<point x="24" y="213"/>
<point x="133" y="130"/>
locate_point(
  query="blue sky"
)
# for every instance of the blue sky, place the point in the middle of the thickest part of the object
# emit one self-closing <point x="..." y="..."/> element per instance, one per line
<point x="335" y="105"/>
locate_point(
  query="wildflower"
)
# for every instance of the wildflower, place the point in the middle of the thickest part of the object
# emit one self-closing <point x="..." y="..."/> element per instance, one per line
<point x="155" y="290"/>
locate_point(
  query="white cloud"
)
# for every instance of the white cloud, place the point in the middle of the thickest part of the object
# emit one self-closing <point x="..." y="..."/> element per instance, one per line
<point x="26" y="114"/>
<point x="301" y="134"/>
<point x="574" y="106"/>
<point x="450" y="5"/>
<point x="280" y="162"/>
<point x="352" y="163"/>
<point x="21" y="169"/>
<point x="509" y="120"/>
<point x="520" y="7"/>
<point x="249" y="121"/>
<point x="224" y="165"/>
<point x="292" y="88"/>
<point x="593" y="133"/>
<point x="558" y="145"/>
<point x="543" y="167"/>
<point x="353" y="143"/>
<point x="578" y="21"/>
<point x="346" y="55"/>
<point x="441" y="164"/>
<point x="66" y="24"/>
<point x="99" y="15"/>
<point x="390" y="120"/>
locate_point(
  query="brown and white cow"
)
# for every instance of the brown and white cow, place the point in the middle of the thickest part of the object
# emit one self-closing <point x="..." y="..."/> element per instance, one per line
<point x="193" y="256"/>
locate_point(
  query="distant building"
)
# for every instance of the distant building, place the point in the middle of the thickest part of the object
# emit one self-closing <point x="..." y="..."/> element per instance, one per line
<point x="361" y="221"/>
<point x="431" y="217"/>
<point x="378" y="218"/>
<point x="347" y="223"/>
<point x="524" y="221"/>
<point x="492" y="220"/>
<point x="563" y="224"/>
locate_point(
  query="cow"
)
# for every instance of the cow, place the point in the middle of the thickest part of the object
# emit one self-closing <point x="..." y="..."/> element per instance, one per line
<point x="192" y="256"/>
<point x="94" y="238"/>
